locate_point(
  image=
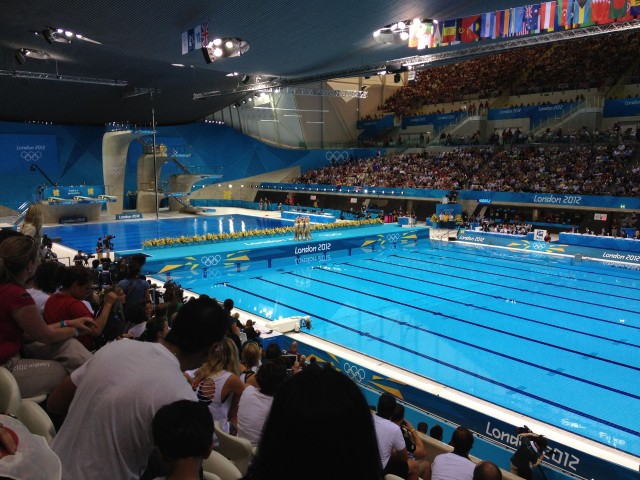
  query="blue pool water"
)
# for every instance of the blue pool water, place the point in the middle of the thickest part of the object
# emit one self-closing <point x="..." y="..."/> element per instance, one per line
<point x="534" y="334"/>
<point x="131" y="234"/>
<point x="552" y="339"/>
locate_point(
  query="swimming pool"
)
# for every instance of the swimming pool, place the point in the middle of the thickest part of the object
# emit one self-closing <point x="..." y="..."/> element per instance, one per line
<point x="535" y="334"/>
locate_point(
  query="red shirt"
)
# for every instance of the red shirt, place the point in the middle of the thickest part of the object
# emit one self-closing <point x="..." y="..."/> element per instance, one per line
<point x="60" y="307"/>
<point x="12" y="298"/>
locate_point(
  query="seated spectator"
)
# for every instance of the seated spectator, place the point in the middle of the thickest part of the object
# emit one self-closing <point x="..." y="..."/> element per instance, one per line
<point x="21" y="323"/>
<point x="119" y="391"/>
<point x="392" y="448"/>
<point x="436" y="432"/>
<point x="251" y="333"/>
<point x="486" y="470"/>
<point x="341" y="444"/>
<point x="293" y="350"/>
<point x="250" y="361"/>
<point x="135" y="286"/>
<point x="423" y="428"/>
<point x="221" y="369"/>
<point x="116" y="322"/>
<point x="415" y="447"/>
<point x="155" y="330"/>
<point x="75" y="286"/>
<point x="45" y="282"/>
<point x="182" y="433"/>
<point x="255" y="403"/>
<point x="455" y="464"/>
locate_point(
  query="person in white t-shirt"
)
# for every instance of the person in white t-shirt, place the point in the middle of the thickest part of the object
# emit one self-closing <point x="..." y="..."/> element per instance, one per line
<point x="455" y="465"/>
<point x="255" y="403"/>
<point x="112" y="399"/>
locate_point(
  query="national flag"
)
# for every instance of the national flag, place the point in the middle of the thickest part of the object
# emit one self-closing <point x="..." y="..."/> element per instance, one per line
<point x="619" y="10"/>
<point x="185" y="43"/>
<point x="517" y="21"/>
<point x="600" y="12"/>
<point x="547" y="16"/>
<point x="425" y="35"/>
<point x="634" y="7"/>
<point x="470" y="29"/>
<point x="204" y="31"/>
<point x="450" y="32"/>
<point x="190" y="39"/>
<point x="488" y="25"/>
<point x="581" y="13"/>
<point x="532" y="18"/>
<point x="562" y="14"/>
<point x="197" y="37"/>
<point x="436" y="36"/>
<point x="505" y="22"/>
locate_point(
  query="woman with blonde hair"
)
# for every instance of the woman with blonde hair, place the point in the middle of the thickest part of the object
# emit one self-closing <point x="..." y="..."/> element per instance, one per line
<point x="251" y="354"/>
<point x="32" y="223"/>
<point x="222" y="369"/>
<point x="20" y="318"/>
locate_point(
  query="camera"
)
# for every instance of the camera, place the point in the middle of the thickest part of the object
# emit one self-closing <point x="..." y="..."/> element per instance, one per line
<point x="523" y="429"/>
<point x="109" y="237"/>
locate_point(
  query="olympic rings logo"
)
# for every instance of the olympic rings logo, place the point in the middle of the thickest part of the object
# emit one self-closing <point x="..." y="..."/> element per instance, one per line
<point x="393" y="237"/>
<point x="31" y="156"/>
<point x="337" y="155"/>
<point x="210" y="260"/>
<point x="353" y="372"/>
<point x="537" y="246"/>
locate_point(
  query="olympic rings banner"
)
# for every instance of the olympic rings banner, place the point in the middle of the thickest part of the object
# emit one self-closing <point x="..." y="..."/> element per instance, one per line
<point x="20" y="152"/>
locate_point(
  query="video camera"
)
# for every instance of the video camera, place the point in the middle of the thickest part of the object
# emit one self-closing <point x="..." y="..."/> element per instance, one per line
<point x="109" y="237"/>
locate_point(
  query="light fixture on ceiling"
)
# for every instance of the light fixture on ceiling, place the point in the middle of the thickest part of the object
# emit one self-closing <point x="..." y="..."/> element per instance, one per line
<point x="61" y="35"/>
<point x="62" y="78"/>
<point x="418" y="33"/>
<point x="22" y="54"/>
<point x="220" y="48"/>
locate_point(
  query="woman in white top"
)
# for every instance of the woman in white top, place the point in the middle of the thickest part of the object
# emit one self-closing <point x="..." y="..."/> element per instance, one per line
<point x="222" y="369"/>
<point x="32" y="223"/>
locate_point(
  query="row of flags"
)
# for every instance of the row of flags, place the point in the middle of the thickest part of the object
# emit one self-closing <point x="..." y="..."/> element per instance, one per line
<point x="195" y="38"/>
<point x="532" y="19"/>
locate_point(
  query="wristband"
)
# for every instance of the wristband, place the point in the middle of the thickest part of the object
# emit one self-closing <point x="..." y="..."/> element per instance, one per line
<point x="63" y="323"/>
<point x="77" y="333"/>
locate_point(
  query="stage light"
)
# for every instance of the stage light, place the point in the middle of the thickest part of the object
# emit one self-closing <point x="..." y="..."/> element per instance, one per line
<point x="233" y="47"/>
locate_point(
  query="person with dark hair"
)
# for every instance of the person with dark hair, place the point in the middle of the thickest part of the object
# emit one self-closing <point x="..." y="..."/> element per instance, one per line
<point x="436" y="432"/>
<point x="20" y="318"/>
<point x="135" y="286"/>
<point x="415" y="447"/>
<point x="455" y="464"/>
<point x="155" y="330"/>
<point x="75" y="286"/>
<point x="342" y="441"/>
<point x="182" y="433"/>
<point x="529" y="454"/>
<point x="234" y="329"/>
<point x="255" y="403"/>
<point x="111" y="400"/>
<point x="423" y="428"/>
<point x="392" y="448"/>
<point x="486" y="470"/>
<point x="45" y="282"/>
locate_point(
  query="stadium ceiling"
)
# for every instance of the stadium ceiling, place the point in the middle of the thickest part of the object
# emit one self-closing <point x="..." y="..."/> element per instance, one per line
<point x="124" y="61"/>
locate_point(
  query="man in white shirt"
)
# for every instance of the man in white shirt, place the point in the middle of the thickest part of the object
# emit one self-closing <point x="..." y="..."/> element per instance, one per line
<point x="112" y="399"/>
<point x="455" y="465"/>
<point x="393" y="450"/>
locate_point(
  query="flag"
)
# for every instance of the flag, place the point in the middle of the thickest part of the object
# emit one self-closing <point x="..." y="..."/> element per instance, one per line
<point x="204" y="31"/>
<point x="190" y="39"/>
<point x="470" y="30"/>
<point x="436" y="36"/>
<point x="516" y="26"/>
<point x="581" y="13"/>
<point x="450" y="32"/>
<point x="488" y="25"/>
<point x="531" y="19"/>
<point x="547" y="16"/>
<point x="634" y="7"/>
<point x="600" y="12"/>
<point x="185" y="43"/>
<point x="505" y="22"/>
<point x="197" y="37"/>
<point x="425" y="36"/>
<point x="562" y="14"/>
<point x="619" y="10"/>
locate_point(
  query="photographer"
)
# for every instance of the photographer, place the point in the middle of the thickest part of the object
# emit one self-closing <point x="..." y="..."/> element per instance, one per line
<point x="529" y="454"/>
<point x="108" y="244"/>
<point x="82" y="259"/>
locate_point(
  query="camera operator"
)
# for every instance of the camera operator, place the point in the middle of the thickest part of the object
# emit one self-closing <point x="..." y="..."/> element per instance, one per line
<point x="529" y="454"/>
<point x="108" y="244"/>
<point x="81" y="259"/>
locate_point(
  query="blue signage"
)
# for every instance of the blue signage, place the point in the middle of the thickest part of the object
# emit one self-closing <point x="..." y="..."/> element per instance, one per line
<point x="128" y="216"/>
<point x="20" y="152"/>
<point x="627" y="107"/>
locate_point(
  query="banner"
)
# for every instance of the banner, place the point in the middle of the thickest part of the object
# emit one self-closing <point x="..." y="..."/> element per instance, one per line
<point x="627" y="107"/>
<point x="21" y="153"/>
<point x="195" y="38"/>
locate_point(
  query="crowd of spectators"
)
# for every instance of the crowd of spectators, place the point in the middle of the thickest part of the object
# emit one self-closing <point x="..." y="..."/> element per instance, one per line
<point x="589" y="169"/>
<point x="596" y="62"/>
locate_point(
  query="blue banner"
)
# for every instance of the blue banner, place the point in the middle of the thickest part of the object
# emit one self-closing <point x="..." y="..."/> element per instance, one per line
<point x="627" y="107"/>
<point x="71" y="191"/>
<point x="20" y="153"/>
<point x="537" y="114"/>
<point x="437" y="120"/>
